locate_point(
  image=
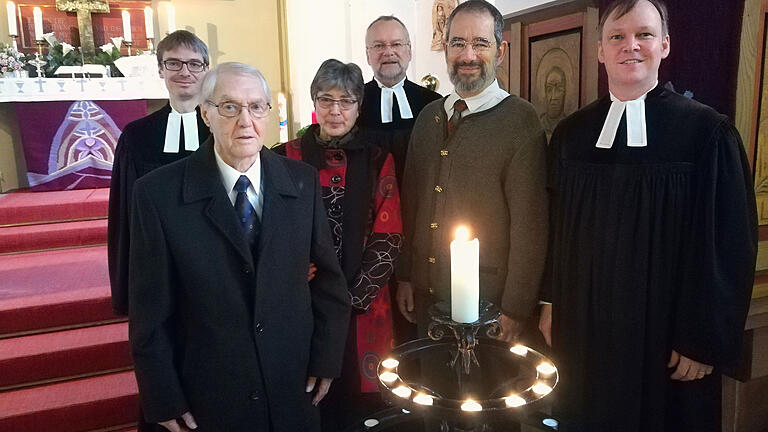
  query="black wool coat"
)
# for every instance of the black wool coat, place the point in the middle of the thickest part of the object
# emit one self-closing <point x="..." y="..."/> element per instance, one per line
<point x="213" y="331"/>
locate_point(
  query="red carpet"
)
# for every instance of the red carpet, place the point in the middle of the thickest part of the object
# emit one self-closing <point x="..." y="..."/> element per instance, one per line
<point x="64" y="358"/>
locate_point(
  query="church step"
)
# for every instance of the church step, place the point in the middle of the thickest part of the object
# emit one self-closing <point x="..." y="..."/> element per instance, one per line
<point x="43" y="290"/>
<point x="49" y="356"/>
<point x="24" y="207"/>
<point x="28" y="238"/>
<point x="72" y="406"/>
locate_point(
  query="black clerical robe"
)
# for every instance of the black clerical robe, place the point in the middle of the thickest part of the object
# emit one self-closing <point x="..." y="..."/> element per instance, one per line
<point x="139" y="151"/>
<point x="652" y="250"/>
<point x="395" y="134"/>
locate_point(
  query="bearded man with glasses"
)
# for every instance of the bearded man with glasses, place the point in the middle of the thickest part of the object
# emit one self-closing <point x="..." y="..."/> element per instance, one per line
<point x="363" y="210"/>
<point x="165" y="136"/>
<point x="226" y="332"/>
<point x="476" y="158"/>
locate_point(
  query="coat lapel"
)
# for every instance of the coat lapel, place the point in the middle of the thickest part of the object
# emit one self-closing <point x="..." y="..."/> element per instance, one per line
<point x="278" y="186"/>
<point x="202" y="180"/>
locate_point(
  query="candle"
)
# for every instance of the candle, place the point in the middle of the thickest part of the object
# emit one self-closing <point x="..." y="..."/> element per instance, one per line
<point x="38" y="16"/>
<point x="11" y="8"/>
<point x="171" y="18"/>
<point x="149" y="22"/>
<point x="127" y="26"/>
<point x="465" y="277"/>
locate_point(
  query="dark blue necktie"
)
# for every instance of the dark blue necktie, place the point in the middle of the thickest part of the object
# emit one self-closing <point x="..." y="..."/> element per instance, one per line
<point x="249" y="220"/>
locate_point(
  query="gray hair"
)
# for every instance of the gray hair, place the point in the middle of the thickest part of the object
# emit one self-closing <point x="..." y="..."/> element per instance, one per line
<point x="390" y="18"/>
<point x="335" y="74"/>
<point x="479" y="6"/>
<point x="182" y="38"/>
<point x="231" y="68"/>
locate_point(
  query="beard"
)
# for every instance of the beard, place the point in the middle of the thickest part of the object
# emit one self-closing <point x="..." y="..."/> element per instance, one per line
<point x="469" y="85"/>
<point x="390" y="72"/>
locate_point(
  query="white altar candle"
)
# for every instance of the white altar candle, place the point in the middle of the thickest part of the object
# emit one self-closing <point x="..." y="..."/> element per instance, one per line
<point x="465" y="277"/>
<point x="149" y="22"/>
<point x="127" y="26"/>
<point x="171" y="18"/>
<point x="10" y="7"/>
<point x="38" y="16"/>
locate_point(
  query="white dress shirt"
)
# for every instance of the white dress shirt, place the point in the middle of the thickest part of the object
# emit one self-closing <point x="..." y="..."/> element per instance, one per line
<point x="230" y="175"/>
<point x="486" y="99"/>
<point x="387" y="94"/>
<point x="173" y="131"/>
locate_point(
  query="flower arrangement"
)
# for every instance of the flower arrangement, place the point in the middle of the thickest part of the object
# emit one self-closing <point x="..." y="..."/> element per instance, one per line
<point x="64" y="54"/>
<point x="10" y="59"/>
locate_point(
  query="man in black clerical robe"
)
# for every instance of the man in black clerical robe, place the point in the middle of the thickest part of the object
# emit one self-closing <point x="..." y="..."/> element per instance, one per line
<point x="391" y="102"/>
<point x="167" y="135"/>
<point x="653" y="244"/>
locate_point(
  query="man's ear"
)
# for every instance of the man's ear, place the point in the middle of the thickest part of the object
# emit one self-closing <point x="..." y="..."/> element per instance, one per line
<point x="502" y="52"/>
<point x="665" y="46"/>
<point x="204" y="114"/>
<point x="600" y="53"/>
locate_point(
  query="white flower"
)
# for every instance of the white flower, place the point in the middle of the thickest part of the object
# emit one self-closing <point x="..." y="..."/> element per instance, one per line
<point x="66" y="48"/>
<point x="118" y="41"/>
<point x="107" y="48"/>
<point x="50" y="38"/>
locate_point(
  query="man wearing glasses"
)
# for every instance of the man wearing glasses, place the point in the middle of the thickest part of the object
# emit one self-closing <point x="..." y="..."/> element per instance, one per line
<point x="226" y="332"/>
<point x="391" y="102"/>
<point x="165" y="136"/>
<point x="476" y="159"/>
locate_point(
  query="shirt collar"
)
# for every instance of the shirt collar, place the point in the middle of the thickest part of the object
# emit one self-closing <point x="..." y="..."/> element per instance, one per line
<point x="637" y="134"/>
<point x="387" y="96"/>
<point x="230" y="175"/>
<point x="399" y="84"/>
<point x="486" y="99"/>
<point x="173" y="129"/>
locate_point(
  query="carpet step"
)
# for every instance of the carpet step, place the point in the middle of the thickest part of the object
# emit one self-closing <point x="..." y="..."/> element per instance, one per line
<point x="24" y="207"/>
<point x="50" y="289"/>
<point x="27" y="238"/>
<point x="51" y="356"/>
<point x="71" y="406"/>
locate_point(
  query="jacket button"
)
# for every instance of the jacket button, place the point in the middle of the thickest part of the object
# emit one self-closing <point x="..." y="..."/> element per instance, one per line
<point x="254" y="396"/>
<point x="431" y="290"/>
<point x="259" y="328"/>
<point x="246" y="269"/>
<point x="433" y="225"/>
<point x="431" y="260"/>
<point x="443" y="153"/>
<point x="438" y="188"/>
<point x="336" y="178"/>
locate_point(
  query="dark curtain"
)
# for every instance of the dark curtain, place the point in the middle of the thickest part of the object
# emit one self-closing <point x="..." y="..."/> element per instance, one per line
<point x="704" y="54"/>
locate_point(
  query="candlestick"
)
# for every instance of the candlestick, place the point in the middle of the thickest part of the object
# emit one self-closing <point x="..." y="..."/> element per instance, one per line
<point x="127" y="26"/>
<point x="40" y="43"/>
<point x="465" y="277"/>
<point x="150" y="45"/>
<point x="149" y="23"/>
<point x="128" y="44"/>
<point x="171" y="18"/>
<point x="10" y="7"/>
<point x="13" y="42"/>
<point x="37" y="13"/>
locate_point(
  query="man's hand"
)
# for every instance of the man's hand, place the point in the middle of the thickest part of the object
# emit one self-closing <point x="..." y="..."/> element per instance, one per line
<point x="312" y="271"/>
<point x="510" y="329"/>
<point x="687" y="369"/>
<point x="322" y="388"/>
<point x="545" y="323"/>
<point x="405" y="300"/>
<point x="188" y="423"/>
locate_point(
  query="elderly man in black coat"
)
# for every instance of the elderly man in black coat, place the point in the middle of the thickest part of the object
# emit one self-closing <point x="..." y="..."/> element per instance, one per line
<point x="226" y="332"/>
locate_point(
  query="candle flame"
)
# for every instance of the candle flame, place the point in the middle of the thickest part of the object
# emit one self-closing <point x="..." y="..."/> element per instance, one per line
<point x="471" y="406"/>
<point x="514" y="401"/>
<point x="462" y="233"/>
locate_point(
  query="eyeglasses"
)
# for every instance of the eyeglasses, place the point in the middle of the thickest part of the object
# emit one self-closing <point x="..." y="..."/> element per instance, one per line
<point x="327" y="103"/>
<point x="257" y="110"/>
<point x="193" y="66"/>
<point x="381" y="47"/>
<point x="478" y="45"/>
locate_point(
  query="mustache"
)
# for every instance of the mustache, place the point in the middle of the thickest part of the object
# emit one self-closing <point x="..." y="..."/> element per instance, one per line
<point x="470" y="63"/>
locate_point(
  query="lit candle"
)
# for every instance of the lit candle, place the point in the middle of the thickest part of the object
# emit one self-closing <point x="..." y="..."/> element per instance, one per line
<point x="471" y="406"/>
<point x="171" y="18"/>
<point x="127" y="26"/>
<point x="465" y="277"/>
<point x="149" y="23"/>
<point x="38" y="16"/>
<point x="11" y="8"/>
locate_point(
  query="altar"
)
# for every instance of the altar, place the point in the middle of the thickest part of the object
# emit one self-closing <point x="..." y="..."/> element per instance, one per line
<point x="68" y="127"/>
